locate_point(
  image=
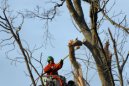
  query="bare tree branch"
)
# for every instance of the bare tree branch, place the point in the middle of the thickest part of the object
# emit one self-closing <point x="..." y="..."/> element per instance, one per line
<point x="15" y="35"/>
<point x="124" y="62"/>
<point x="117" y="59"/>
<point x="116" y="24"/>
<point x="47" y="15"/>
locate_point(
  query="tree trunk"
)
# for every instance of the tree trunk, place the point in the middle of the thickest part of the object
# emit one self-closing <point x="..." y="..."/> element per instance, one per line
<point x="78" y="76"/>
<point x="102" y="67"/>
<point x="93" y="42"/>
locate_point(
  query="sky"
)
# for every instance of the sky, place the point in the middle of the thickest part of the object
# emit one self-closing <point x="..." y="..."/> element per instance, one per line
<point x="62" y="31"/>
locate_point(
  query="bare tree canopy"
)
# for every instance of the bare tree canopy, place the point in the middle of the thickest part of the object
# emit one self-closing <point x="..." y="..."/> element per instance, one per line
<point x="102" y="47"/>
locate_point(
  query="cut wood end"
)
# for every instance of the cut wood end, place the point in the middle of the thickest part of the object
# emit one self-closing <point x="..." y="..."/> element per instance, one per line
<point x="75" y="43"/>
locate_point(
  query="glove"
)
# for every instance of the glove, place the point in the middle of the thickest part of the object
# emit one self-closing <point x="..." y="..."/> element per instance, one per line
<point x="61" y="61"/>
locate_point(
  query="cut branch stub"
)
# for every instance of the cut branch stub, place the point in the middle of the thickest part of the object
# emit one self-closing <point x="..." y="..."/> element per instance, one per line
<point x="75" y="43"/>
<point x="78" y="75"/>
<point x="72" y="44"/>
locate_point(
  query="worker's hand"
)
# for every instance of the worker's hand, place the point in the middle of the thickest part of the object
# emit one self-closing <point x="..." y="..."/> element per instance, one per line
<point x="61" y="61"/>
<point x="70" y="42"/>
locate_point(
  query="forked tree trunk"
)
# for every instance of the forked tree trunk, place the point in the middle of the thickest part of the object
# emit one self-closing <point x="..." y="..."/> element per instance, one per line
<point x="93" y="43"/>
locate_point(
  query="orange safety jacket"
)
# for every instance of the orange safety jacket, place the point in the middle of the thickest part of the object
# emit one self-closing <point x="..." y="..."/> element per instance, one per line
<point x="52" y="69"/>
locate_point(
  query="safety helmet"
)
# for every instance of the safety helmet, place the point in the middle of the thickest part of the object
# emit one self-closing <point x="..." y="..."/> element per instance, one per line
<point x="50" y="58"/>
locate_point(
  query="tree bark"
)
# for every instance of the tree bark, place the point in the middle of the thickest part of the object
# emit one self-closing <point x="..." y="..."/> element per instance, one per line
<point x="78" y="76"/>
<point x="93" y="42"/>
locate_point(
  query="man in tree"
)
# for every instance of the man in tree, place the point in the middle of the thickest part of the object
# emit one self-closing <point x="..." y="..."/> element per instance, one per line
<point x="52" y="68"/>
